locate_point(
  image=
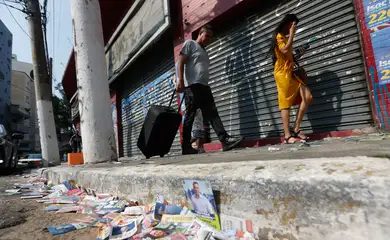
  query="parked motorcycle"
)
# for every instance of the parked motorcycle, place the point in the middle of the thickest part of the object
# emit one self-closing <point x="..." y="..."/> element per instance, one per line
<point x="9" y="148"/>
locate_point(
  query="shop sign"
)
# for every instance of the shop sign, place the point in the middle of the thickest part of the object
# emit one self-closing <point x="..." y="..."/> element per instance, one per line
<point x="143" y="24"/>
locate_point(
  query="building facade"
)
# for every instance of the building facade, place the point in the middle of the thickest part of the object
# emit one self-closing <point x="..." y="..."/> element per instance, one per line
<point x="25" y="119"/>
<point x="340" y="64"/>
<point x="5" y="75"/>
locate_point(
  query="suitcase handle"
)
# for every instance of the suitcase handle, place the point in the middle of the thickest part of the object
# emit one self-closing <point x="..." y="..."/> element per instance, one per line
<point x="173" y="95"/>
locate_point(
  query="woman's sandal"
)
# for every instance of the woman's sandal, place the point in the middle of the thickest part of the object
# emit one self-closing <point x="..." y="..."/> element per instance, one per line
<point x="296" y="135"/>
<point x="287" y="140"/>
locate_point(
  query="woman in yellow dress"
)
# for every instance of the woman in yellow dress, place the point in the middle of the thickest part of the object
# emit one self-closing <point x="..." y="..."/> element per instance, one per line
<point x="291" y="89"/>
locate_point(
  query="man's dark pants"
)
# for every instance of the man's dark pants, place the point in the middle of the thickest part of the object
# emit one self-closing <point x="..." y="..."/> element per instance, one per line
<point x="200" y="96"/>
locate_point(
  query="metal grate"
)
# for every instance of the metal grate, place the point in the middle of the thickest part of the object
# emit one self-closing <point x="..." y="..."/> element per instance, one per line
<point x="242" y="81"/>
<point x="149" y="83"/>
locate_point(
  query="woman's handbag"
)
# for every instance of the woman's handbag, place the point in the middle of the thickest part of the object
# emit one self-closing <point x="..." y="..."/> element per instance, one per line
<point x="300" y="73"/>
<point x="298" y="70"/>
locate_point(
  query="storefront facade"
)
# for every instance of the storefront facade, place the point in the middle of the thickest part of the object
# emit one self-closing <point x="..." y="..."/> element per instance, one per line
<point x="241" y="74"/>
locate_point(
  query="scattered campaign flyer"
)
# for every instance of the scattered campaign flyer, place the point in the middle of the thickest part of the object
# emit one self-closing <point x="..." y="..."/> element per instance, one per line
<point x="159" y="210"/>
<point x="235" y="225"/>
<point x="115" y="205"/>
<point x="202" y="202"/>
<point x="161" y="231"/>
<point x="64" y="228"/>
<point x="50" y="208"/>
<point x="124" y="228"/>
<point x="104" y="232"/>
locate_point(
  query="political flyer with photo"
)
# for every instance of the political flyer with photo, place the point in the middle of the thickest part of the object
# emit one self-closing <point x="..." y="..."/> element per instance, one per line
<point x="202" y="202"/>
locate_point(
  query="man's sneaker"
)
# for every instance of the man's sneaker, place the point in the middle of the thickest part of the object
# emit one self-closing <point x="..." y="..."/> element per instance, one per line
<point x="201" y="150"/>
<point x="231" y="142"/>
<point x="189" y="151"/>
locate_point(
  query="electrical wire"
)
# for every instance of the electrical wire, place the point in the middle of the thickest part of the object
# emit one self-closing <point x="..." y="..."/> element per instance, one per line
<point x="9" y="10"/>
<point x="58" y="34"/>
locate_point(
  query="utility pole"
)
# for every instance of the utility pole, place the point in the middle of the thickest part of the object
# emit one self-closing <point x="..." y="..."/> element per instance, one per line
<point x="43" y="91"/>
<point x="97" y="130"/>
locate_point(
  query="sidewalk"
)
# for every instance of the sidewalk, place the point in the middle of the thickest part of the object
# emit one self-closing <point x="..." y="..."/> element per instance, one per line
<point x="371" y="145"/>
<point x="313" y="192"/>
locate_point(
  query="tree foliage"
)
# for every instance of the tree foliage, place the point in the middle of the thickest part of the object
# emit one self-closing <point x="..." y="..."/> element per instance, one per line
<point x="62" y="111"/>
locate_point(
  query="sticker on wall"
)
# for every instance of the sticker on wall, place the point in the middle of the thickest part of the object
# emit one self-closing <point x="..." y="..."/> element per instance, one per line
<point x="377" y="13"/>
<point x="381" y="46"/>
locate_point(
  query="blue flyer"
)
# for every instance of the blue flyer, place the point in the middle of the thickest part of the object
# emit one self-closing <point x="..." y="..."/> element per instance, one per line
<point x="377" y="12"/>
<point x="381" y="46"/>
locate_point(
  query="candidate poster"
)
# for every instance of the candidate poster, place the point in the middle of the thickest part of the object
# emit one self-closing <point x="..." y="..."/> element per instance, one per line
<point x="202" y="202"/>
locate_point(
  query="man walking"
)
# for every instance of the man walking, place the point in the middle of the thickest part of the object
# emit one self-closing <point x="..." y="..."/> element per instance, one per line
<point x="193" y="78"/>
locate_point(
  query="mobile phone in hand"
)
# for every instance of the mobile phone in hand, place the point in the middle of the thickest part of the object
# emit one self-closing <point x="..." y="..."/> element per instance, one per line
<point x="306" y="46"/>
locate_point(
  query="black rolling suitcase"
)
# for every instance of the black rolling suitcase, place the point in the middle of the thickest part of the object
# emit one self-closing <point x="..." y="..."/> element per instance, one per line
<point x="159" y="130"/>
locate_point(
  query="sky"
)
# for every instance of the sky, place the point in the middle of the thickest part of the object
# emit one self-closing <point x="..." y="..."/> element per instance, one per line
<point x="59" y="34"/>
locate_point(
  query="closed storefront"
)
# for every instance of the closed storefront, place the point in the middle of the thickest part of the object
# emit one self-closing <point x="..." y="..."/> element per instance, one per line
<point x="241" y="73"/>
<point x="149" y="81"/>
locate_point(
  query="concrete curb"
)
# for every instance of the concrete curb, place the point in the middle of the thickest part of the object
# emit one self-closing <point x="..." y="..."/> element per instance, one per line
<point x="338" y="198"/>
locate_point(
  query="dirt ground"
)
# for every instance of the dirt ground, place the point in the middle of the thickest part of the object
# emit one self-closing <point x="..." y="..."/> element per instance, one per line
<point x="25" y="219"/>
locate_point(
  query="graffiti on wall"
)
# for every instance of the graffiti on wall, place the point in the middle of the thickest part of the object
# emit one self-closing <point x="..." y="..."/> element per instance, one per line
<point x="155" y="93"/>
<point x="377" y="21"/>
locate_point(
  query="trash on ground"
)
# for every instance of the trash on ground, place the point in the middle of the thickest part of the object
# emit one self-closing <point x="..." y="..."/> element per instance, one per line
<point x="104" y="232"/>
<point x="271" y="149"/>
<point x="124" y="228"/>
<point x="119" y="219"/>
<point x="69" y="209"/>
<point x="7" y="194"/>
<point x="134" y="210"/>
<point x="14" y="191"/>
<point x="74" y="192"/>
<point x="71" y="184"/>
<point x="237" y="226"/>
<point x="115" y="205"/>
<point x="55" y="194"/>
<point x="52" y="208"/>
<point x="35" y="180"/>
<point x="295" y="149"/>
<point x="60" y="187"/>
<point x="64" y="228"/>
<point x="31" y="197"/>
<point x="103" y="196"/>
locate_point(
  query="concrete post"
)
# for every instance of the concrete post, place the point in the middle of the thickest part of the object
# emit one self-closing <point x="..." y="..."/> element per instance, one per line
<point x="43" y="91"/>
<point x="93" y="89"/>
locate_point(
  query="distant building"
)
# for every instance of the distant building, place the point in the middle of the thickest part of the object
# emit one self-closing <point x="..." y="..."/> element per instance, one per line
<point x="5" y="75"/>
<point x="23" y="106"/>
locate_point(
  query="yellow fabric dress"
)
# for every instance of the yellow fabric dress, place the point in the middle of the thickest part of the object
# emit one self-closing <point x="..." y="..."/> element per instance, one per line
<point x="287" y="82"/>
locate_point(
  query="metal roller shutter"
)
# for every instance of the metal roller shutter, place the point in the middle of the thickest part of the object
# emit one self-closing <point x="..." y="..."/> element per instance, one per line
<point x="150" y="82"/>
<point x="242" y="81"/>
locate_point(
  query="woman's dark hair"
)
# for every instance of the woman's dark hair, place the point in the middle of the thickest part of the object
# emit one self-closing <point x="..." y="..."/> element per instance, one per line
<point x="286" y="20"/>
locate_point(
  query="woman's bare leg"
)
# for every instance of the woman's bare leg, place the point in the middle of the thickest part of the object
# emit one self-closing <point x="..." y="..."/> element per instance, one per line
<point x="306" y="100"/>
<point x="286" y="125"/>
